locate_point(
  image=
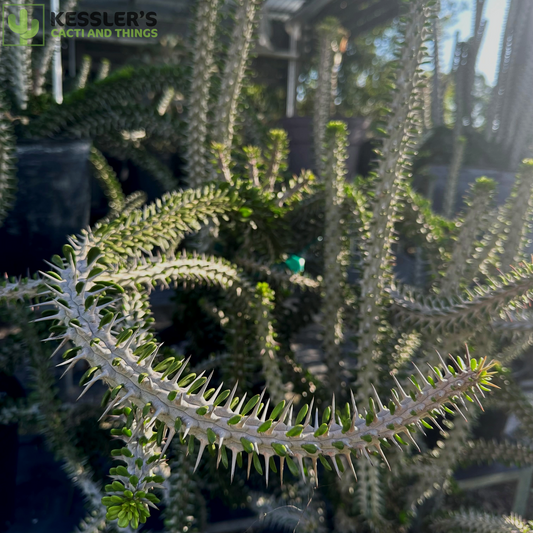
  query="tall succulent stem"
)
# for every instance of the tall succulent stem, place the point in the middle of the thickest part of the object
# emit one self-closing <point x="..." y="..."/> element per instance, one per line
<point x="450" y="198"/>
<point x="392" y="165"/>
<point x="124" y="360"/>
<point x="234" y="70"/>
<point x="437" y="89"/>
<point x="370" y="497"/>
<point x="7" y="162"/>
<point x="328" y="31"/>
<point x="184" y="507"/>
<point x="519" y="212"/>
<point x="45" y="59"/>
<point x="16" y="58"/>
<point x="198" y="105"/>
<point x="334" y="250"/>
<point x="473" y="223"/>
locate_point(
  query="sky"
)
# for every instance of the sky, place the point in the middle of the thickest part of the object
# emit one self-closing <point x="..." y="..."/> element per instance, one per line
<point x="488" y="58"/>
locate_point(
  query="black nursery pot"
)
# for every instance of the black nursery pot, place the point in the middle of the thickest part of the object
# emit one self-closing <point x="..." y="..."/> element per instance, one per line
<point x="53" y="200"/>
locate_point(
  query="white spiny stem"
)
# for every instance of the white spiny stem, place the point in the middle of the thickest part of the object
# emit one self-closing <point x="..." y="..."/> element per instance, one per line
<point x="24" y="289"/>
<point x="519" y="210"/>
<point x="328" y="32"/>
<point x="198" y="105"/>
<point x="473" y="224"/>
<point x="392" y="166"/>
<point x="154" y="390"/>
<point x="234" y="70"/>
<point x="334" y="248"/>
<point x="430" y="314"/>
<point x="45" y="58"/>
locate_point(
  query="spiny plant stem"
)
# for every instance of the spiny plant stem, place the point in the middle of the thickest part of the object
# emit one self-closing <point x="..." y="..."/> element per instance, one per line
<point x="474" y="521"/>
<point x="450" y="197"/>
<point x="108" y="180"/>
<point x="519" y="212"/>
<point x="125" y="363"/>
<point x="198" y="104"/>
<point x="128" y="496"/>
<point x="264" y="297"/>
<point x="45" y="59"/>
<point x="275" y="157"/>
<point x="447" y="316"/>
<point x="85" y="70"/>
<point x="184" y="503"/>
<point x="394" y="158"/>
<point x="7" y="161"/>
<point x="234" y="70"/>
<point x="334" y="248"/>
<point x="435" y="468"/>
<point x="369" y="494"/>
<point x="328" y="31"/>
<point x="507" y="453"/>
<point x="472" y="225"/>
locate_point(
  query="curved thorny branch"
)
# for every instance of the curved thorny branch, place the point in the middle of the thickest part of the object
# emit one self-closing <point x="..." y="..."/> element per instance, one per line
<point x="181" y="402"/>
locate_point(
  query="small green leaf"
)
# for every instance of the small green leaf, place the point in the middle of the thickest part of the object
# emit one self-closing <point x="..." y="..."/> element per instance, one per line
<point x="265" y="426"/>
<point x="321" y="430"/>
<point x="186" y="380"/>
<point x="324" y="462"/>
<point x="250" y="404"/>
<point x="280" y="449"/>
<point x="400" y="440"/>
<point x="106" y="319"/>
<point x="211" y="436"/>
<point x="69" y="253"/>
<point x="257" y="463"/>
<point x="221" y="397"/>
<point x="292" y="466"/>
<point x="58" y="261"/>
<point x="196" y="385"/>
<point x="295" y="431"/>
<point x="247" y="445"/>
<point x="277" y="410"/>
<point x="224" y="456"/>
<point x="92" y="255"/>
<point x="234" y="420"/>
<point x="95" y="272"/>
<point x="302" y="413"/>
<point x="88" y="375"/>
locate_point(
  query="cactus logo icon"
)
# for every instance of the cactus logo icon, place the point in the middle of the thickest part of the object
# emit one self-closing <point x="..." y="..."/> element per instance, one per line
<point x="20" y="25"/>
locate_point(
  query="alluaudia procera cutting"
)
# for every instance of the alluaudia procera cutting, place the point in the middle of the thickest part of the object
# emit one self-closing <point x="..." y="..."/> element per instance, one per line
<point x="124" y="358"/>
